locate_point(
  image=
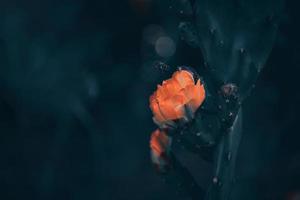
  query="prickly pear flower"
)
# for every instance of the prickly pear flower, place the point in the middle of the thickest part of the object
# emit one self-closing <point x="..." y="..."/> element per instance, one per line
<point x="177" y="98"/>
<point x="160" y="145"/>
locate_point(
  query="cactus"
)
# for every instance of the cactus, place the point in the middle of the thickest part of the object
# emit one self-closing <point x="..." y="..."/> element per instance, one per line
<point x="235" y="38"/>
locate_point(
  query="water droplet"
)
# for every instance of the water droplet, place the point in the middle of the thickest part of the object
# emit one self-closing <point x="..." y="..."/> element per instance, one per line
<point x="229" y="156"/>
<point x="215" y="180"/>
<point x="220" y="183"/>
<point x="161" y="66"/>
<point x="198" y="134"/>
<point x="221" y="43"/>
<point x="92" y="87"/>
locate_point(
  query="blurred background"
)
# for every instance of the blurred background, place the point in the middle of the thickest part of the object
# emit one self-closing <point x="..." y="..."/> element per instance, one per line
<point x="75" y="78"/>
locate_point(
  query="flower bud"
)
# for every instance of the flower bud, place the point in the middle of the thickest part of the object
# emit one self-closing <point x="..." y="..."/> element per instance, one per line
<point x="160" y="145"/>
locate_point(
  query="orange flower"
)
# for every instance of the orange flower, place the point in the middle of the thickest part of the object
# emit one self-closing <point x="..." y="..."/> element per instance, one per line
<point x="160" y="145"/>
<point x="176" y="98"/>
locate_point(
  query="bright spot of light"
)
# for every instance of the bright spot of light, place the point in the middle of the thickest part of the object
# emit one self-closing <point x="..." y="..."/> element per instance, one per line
<point x="165" y="47"/>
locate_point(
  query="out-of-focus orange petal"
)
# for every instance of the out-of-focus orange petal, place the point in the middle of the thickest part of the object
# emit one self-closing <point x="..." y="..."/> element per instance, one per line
<point x="155" y="145"/>
<point x="164" y="139"/>
<point x="159" y="142"/>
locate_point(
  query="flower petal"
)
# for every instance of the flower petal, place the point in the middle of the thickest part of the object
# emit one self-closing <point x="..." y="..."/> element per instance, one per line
<point x="183" y="77"/>
<point x="196" y="95"/>
<point x="156" y="110"/>
<point x="168" y="88"/>
<point x="167" y="109"/>
<point x="172" y="108"/>
<point x="159" y="142"/>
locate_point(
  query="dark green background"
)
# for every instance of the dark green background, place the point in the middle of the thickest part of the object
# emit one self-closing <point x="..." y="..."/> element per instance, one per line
<point x="74" y="116"/>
